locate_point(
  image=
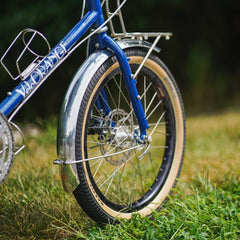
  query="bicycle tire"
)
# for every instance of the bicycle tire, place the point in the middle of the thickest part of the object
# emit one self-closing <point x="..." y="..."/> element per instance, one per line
<point x="138" y="178"/>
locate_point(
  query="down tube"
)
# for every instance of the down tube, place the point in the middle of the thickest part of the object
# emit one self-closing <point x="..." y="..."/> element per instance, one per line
<point x="27" y="87"/>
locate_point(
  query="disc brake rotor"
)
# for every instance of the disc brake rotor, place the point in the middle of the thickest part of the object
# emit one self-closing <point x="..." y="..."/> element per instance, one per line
<point x="6" y="148"/>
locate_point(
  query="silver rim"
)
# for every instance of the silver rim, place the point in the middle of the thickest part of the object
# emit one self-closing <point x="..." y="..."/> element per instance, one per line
<point x="126" y="177"/>
<point x="6" y="148"/>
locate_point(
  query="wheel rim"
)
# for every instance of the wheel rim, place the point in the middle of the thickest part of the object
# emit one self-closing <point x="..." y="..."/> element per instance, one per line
<point x="122" y="184"/>
<point x="6" y="148"/>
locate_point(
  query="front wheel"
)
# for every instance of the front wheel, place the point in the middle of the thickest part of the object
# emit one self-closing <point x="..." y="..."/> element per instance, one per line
<point x="125" y="176"/>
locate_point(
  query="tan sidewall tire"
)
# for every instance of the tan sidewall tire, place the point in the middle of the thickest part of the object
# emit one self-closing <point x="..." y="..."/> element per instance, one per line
<point x="179" y="143"/>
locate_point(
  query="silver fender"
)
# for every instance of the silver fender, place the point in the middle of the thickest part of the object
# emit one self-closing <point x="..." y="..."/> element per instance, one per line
<point x="70" y="107"/>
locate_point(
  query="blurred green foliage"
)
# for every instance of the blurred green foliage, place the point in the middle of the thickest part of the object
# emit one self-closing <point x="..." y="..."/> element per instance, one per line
<point x="202" y="55"/>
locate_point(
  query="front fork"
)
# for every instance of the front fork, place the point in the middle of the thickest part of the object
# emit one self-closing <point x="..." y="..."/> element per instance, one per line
<point x="130" y="84"/>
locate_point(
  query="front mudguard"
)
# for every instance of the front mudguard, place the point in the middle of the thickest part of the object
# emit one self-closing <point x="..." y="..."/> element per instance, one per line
<point x="71" y="104"/>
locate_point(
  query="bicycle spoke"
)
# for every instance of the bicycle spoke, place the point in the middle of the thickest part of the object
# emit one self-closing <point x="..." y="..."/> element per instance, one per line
<point x="138" y="172"/>
<point x="105" y="101"/>
<point x="100" y="161"/>
<point x="114" y="173"/>
<point x="144" y="94"/>
<point x="162" y="147"/>
<point x="110" y="94"/>
<point x="160" y="133"/>
<point x="119" y="93"/>
<point x="151" y="101"/>
<point x="122" y="93"/>
<point x="157" y="123"/>
<point x="150" y="114"/>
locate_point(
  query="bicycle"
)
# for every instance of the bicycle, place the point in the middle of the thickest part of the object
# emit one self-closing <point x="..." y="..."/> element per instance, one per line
<point x="121" y="131"/>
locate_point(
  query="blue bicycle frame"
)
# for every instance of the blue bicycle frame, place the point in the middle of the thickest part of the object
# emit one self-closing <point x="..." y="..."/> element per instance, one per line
<point x="93" y="19"/>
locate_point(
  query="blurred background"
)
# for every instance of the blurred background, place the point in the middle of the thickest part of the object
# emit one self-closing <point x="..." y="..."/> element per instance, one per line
<point x="203" y="53"/>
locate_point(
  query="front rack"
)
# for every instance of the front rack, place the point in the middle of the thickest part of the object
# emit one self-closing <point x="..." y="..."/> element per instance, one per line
<point x="124" y="33"/>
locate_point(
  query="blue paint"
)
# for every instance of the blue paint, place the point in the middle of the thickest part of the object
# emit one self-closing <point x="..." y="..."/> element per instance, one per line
<point x="93" y="19"/>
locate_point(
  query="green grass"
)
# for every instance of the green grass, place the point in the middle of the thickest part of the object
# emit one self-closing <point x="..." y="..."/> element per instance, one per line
<point x="205" y="204"/>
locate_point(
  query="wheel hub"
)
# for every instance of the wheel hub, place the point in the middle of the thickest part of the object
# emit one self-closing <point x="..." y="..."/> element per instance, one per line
<point x="119" y="137"/>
